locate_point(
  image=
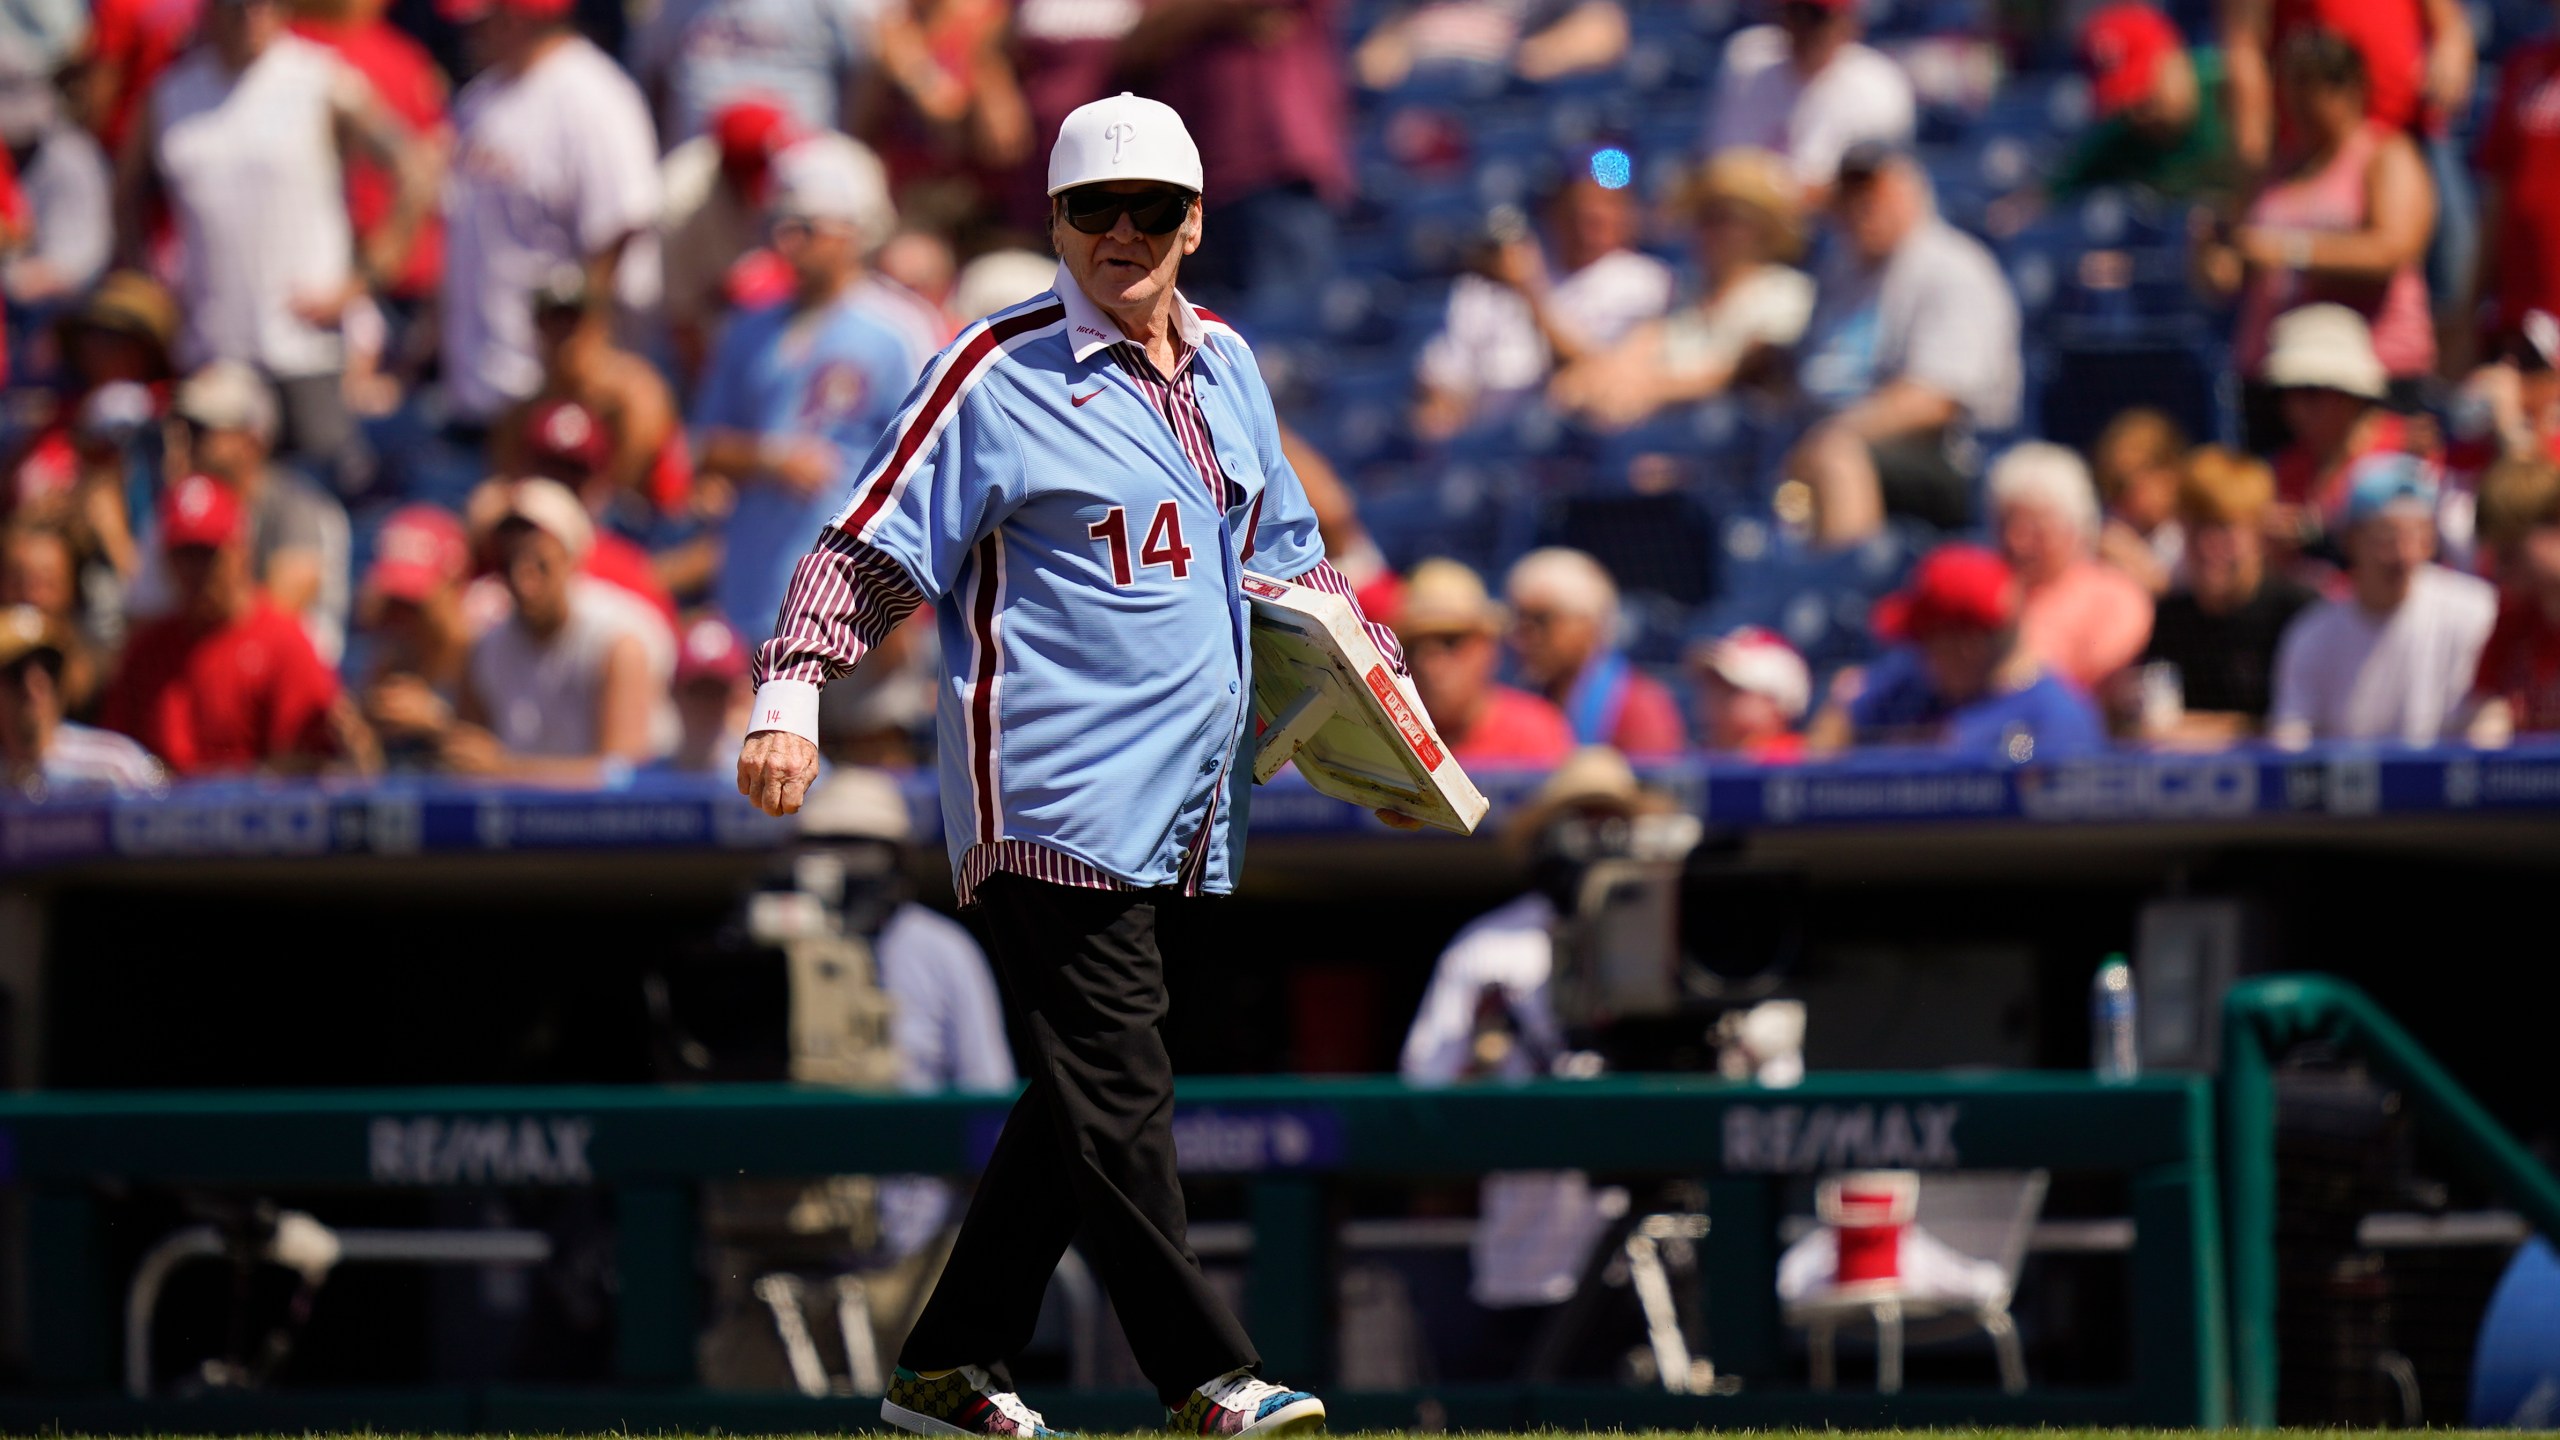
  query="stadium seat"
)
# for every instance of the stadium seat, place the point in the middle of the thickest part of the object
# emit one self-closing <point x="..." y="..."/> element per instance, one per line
<point x="2086" y="379"/>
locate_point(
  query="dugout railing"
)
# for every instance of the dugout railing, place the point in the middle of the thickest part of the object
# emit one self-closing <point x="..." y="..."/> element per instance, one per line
<point x="1285" y="1141"/>
<point x="2265" y="1017"/>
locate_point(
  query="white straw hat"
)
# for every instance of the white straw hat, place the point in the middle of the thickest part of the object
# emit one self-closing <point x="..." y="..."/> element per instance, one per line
<point x="2324" y="347"/>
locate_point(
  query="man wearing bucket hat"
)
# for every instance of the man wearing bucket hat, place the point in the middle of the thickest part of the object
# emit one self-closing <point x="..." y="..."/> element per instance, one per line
<point x="1077" y="486"/>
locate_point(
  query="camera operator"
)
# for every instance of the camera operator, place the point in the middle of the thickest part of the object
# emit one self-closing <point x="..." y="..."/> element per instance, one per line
<point x="1487" y="1016"/>
<point x="884" y="994"/>
<point x="1524" y="310"/>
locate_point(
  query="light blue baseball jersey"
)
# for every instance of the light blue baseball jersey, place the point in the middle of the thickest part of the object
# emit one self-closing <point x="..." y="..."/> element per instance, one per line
<point x="1097" y="703"/>
<point x="834" y="374"/>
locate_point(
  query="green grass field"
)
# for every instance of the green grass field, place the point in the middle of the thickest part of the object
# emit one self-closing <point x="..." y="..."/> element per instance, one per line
<point x="2056" y="1433"/>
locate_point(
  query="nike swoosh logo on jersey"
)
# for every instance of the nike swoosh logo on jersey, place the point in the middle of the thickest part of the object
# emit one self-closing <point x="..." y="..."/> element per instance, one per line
<point x="1089" y="394"/>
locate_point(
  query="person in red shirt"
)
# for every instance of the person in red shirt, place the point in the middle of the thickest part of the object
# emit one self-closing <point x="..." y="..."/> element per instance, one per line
<point x="2519" y="164"/>
<point x="2517" y="687"/>
<point x="414" y="91"/>
<point x="1451" y="633"/>
<point x="1564" y="610"/>
<point x="227" y="681"/>
<point x="1753" y="691"/>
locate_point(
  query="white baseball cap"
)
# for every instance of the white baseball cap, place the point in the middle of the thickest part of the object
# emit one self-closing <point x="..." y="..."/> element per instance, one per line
<point x="1123" y="137"/>
<point x="1759" y="662"/>
<point x="834" y="177"/>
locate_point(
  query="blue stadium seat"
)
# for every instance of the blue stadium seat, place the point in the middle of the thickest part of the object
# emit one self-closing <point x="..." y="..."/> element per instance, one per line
<point x="2087" y="379"/>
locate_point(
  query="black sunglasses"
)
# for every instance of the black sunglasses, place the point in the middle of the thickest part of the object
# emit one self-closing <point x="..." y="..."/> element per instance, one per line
<point x="1097" y="211"/>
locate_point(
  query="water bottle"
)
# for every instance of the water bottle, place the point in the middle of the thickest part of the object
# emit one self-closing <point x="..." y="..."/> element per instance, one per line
<point x="2112" y="1052"/>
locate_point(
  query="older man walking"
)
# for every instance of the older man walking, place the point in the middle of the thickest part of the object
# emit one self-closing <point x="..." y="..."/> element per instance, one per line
<point x="1077" y="485"/>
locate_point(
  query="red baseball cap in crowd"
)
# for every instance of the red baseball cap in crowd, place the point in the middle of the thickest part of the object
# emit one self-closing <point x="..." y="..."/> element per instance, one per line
<point x="712" y="651"/>
<point x="420" y="550"/>
<point x="463" y="12"/>
<point x="198" y="513"/>
<point x="1954" y="587"/>
<point x="750" y="133"/>
<point x="564" y="438"/>
<point x="2123" y="46"/>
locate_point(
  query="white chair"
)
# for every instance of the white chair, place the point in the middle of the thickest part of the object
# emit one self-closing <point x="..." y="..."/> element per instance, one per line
<point x="1981" y="1215"/>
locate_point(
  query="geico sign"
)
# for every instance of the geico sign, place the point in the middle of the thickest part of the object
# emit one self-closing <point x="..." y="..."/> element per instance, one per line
<point x="2207" y="787"/>
<point x="1803" y="1139"/>
<point x="526" y="1150"/>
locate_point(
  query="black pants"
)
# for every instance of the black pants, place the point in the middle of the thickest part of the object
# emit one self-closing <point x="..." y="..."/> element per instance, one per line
<point x="1087" y="1153"/>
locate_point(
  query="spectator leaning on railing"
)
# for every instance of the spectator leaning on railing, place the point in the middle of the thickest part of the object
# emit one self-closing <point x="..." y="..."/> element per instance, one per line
<point x="1564" y="629"/>
<point x="2394" y="658"/>
<point x="565" y="690"/>
<point x="228" y="681"/>
<point x="1913" y="348"/>
<point x="2082" y="617"/>
<point x="1451" y="630"/>
<point x="417" y="640"/>
<point x="2221" y="626"/>
<point x="1958" y="677"/>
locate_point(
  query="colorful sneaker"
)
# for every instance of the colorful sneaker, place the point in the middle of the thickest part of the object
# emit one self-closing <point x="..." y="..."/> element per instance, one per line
<point x="1242" y="1403"/>
<point x="957" y="1402"/>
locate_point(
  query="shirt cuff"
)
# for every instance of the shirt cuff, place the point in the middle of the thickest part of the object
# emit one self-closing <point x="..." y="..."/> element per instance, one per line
<point x="787" y="705"/>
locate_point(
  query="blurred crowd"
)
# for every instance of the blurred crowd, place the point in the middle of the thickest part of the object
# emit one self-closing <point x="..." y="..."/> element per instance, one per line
<point x="452" y="386"/>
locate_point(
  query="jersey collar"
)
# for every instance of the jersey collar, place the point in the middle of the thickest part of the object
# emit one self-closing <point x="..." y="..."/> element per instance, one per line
<point x="1090" y="330"/>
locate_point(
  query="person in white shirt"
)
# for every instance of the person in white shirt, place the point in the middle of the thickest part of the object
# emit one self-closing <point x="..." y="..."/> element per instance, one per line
<point x="565" y="690"/>
<point x="2394" y="659"/>
<point x="555" y="163"/>
<point x="1487" y="1016"/>
<point x="1516" y="320"/>
<point x="244" y="138"/>
<point x="1805" y="88"/>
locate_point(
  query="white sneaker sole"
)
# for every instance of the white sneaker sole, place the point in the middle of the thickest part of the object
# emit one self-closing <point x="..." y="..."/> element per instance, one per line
<point x="918" y="1424"/>
<point x="1304" y="1418"/>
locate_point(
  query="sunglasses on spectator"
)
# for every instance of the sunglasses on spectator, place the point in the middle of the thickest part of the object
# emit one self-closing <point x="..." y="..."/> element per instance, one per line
<point x="1097" y="211"/>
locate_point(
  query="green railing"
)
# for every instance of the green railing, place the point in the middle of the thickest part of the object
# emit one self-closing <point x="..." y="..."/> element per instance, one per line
<point x="2262" y="1019"/>
<point x="1284" y="1140"/>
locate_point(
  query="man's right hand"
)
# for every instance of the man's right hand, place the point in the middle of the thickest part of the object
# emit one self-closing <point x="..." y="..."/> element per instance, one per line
<point x="774" y="770"/>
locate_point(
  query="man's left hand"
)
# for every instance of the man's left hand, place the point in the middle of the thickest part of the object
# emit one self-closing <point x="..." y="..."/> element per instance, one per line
<point x="1397" y="820"/>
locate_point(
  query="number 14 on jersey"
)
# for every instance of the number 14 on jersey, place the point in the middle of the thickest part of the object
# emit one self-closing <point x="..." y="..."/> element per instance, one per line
<point x="1163" y="545"/>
